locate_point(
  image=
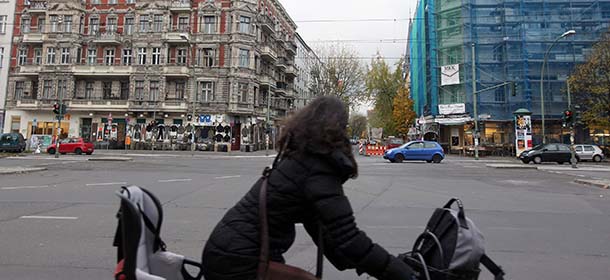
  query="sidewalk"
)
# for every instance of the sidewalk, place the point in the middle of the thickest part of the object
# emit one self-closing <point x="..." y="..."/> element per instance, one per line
<point x="19" y="170"/>
<point x="157" y="153"/>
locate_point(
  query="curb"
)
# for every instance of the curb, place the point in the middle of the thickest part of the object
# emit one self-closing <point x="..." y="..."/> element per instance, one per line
<point x="110" y="159"/>
<point x="510" y="166"/>
<point x="604" y="184"/>
<point x="21" y="170"/>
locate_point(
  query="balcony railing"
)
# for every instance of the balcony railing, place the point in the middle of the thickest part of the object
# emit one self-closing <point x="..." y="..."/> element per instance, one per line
<point x="37" y="5"/>
<point x="180" y="5"/>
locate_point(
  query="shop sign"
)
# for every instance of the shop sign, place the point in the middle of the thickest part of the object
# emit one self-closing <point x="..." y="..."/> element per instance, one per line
<point x="205" y="119"/>
<point x="450" y="74"/>
<point x="452" y="109"/>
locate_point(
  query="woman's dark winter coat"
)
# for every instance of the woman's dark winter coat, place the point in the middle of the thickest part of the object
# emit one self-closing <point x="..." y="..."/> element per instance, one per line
<point x="302" y="189"/>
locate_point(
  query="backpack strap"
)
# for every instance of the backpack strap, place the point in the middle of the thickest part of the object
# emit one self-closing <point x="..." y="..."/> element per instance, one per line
<point x="157" y="243"/>
<point x="495" y="269"/>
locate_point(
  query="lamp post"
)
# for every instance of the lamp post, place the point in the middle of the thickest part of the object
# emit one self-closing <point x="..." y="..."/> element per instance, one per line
<point x="193" y="89"/>
<point x="565" y="34"/>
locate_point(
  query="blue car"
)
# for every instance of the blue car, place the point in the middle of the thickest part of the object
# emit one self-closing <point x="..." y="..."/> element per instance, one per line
<point x="416" y="150"/>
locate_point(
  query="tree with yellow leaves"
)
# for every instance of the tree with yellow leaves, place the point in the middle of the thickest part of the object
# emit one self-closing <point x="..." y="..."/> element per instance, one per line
<point x="403" y="115"/>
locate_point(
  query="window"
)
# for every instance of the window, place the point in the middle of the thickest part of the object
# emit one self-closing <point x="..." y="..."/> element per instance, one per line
<point x="61" y="88"/>
<point x="141" y="56"/>
<point x="41" y="24"/>
<point x="139" y="90"/>
<point x="180" y="89"/>
<point x="47" y="87"/>
<point x="53" y="19"/>
<point x="112" y="2"/>
<point x="131" y="1"/>
<point x="244" y="58"/>
<point x="244" y="24"/>
<point x="207" y="91"/>
<point x="206" y="57"/>
<point x="183" y="24"/>
<point x="564" y="148"/>
<point x="429" y="145"/>
<point x="25" y="25"/>
<point x="91" y="56"/>
<point x="79" y="55"/>
<point x="154" y="90"/>
<point x="37" y="56"/>
<point x="144" y="23"/>
<point x="67" y="24"/>
<point x="417" y="145"/>
<point x="127" y="54"/>
<point x="107" y="90"/>
<point x="156" y="56"/>
<point x="209" y="24"/>
<point x="3" y="23"/>
<point x="111" y="25"/>
<point x="95" y="2"/>
<point x="243" y="92"/>
<point x="23" y="56"/>
<point x="89" y="90"/>
<point x="578" y="148"/>
<point x="51" y="55"/>
<point x="589" y="149"/>
<point x="19" y="85"/>
<point x="128" y="26"/>
<point x="158" y="23"/>
<point x="500" y="95"/>
<point x="109" y="57"/>
<point x="94" y="26"/>
<point x="65" y="55"/>
<point x="181" y="57"/>
<point x="124" y="90"/>
<point x="1" y="56"/>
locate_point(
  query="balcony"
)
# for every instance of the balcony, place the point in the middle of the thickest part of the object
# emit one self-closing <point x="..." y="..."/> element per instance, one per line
<point x="178" y="35"/>
<point x="180" y="6"/>
<point x="176" y="70"/>
<point x="268" y="54"/>
<point x="174" y="106"/>
<point x="97" y="104"/>
<point x="291" y="47"/>
<point x="37" y="6"/>
<point x="101" y="70"/>
<point x="33" y="38"/>
<point x="266" y="80"/>
<point x="28" y="104"/>
<point x="281" y="64"/>
<point x="29" y="68"/>
<point x="291" y="72"/>
<point x="266" y="24"/>
<point x="111" y="38"/>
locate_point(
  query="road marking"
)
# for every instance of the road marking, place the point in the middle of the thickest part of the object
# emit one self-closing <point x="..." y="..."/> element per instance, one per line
<point x="228" y="177"/>
<point x="106" y="184"/>
<point x="25" y="187"/>
<point x="174" y="180"/>
<point x="48" y="217"/>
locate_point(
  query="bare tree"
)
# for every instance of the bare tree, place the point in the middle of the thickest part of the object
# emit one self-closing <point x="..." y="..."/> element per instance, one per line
<point x="339" y="72"/>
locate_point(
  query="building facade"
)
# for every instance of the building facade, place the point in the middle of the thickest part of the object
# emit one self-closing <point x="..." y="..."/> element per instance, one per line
<point x="509" y="39"/>
<point x="304" y="62"/>
<point x="211" y="68"/>
<point x="7" y="12"/>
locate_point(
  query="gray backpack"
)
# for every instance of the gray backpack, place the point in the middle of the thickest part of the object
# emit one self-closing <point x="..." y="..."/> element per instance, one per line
<point x="451" y="248"/>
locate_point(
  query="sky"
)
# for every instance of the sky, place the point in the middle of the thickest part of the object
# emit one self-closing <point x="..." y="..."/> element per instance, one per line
<point x="366" y="26"/>
<point x="364" y="33"/>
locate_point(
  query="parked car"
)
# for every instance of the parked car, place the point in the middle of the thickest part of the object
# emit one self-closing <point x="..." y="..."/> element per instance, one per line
<point x="559" y="153"/>
<point x="416" y="150"/>
<point x="72" y="145"/>
<point x="589" y="152"/>
<point x="12" y="142"/>
<point x="392" y="143"/>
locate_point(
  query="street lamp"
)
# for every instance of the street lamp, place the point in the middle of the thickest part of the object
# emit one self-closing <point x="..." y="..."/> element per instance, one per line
<point x="185" y="37"/>
<point x="565" y="34"/>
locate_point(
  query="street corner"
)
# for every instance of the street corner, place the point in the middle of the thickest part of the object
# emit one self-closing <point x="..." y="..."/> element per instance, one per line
<point x="20" y="170"/>
<point x="604" y="184"/>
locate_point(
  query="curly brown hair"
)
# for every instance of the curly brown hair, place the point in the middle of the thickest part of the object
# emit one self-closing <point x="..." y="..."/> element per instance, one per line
<point x="319" y="128"/>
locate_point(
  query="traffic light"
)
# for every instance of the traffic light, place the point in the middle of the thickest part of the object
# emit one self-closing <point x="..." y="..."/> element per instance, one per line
<point x="56" y="108"/>
<point x="513" y="88"/>
<point x="577" y="114"/>
<point x="63" y="108"/>
<point x="189" y="117"/>
<point x="568" y="118"/>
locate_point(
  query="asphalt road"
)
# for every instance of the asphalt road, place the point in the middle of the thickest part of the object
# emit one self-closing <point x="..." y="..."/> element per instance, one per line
<point x="59" y="223"/>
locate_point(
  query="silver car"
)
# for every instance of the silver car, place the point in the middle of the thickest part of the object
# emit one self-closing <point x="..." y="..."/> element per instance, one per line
<point x="589" y="152"/>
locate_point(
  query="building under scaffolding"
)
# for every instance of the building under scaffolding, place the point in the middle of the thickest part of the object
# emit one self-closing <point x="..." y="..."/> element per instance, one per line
<point x="510" y="38"/>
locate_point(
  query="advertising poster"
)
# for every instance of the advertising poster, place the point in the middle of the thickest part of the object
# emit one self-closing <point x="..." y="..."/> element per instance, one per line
<point x="523" y="133"/>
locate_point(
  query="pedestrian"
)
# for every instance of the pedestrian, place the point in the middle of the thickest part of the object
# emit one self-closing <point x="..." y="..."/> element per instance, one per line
<point x="305" y="186"/>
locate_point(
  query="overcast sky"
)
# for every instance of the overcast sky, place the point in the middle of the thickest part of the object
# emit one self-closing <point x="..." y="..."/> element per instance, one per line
<point x="362" y="35"/>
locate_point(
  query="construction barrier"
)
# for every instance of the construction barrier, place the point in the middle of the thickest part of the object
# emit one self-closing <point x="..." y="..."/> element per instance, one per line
<point x="373" y="150"/>
<point x="360" y="149"/>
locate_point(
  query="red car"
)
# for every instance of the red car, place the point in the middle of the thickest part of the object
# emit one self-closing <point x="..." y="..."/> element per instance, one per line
<point x="72" y="145"/>
<point x="392" y="143"/>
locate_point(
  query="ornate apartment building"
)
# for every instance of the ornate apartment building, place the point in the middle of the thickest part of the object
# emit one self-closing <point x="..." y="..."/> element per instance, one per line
<point x="118" y="65"/>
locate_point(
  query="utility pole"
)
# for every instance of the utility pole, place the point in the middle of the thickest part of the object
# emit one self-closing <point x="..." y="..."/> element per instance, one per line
<point x="572" y="152"/>
<point x="267" y="124"/>
<point x="474" y="103"/>
<point x="61" y="105"/>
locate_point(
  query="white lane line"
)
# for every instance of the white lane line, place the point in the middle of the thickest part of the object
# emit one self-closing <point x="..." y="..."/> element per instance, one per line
<point x="24" y="187"/>
<point x="228" y="177"/>
<point x="106" y="184"/>
<point x="48" y="217"/>
<point x="174" y="180"/>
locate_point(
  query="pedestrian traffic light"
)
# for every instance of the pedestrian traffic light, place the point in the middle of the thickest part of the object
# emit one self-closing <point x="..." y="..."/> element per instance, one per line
<point x="568" y="118"/>
<point x="56" y="108"/>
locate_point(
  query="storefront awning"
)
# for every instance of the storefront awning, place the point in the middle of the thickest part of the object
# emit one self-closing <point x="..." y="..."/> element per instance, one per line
<point x="453" y="121"/>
